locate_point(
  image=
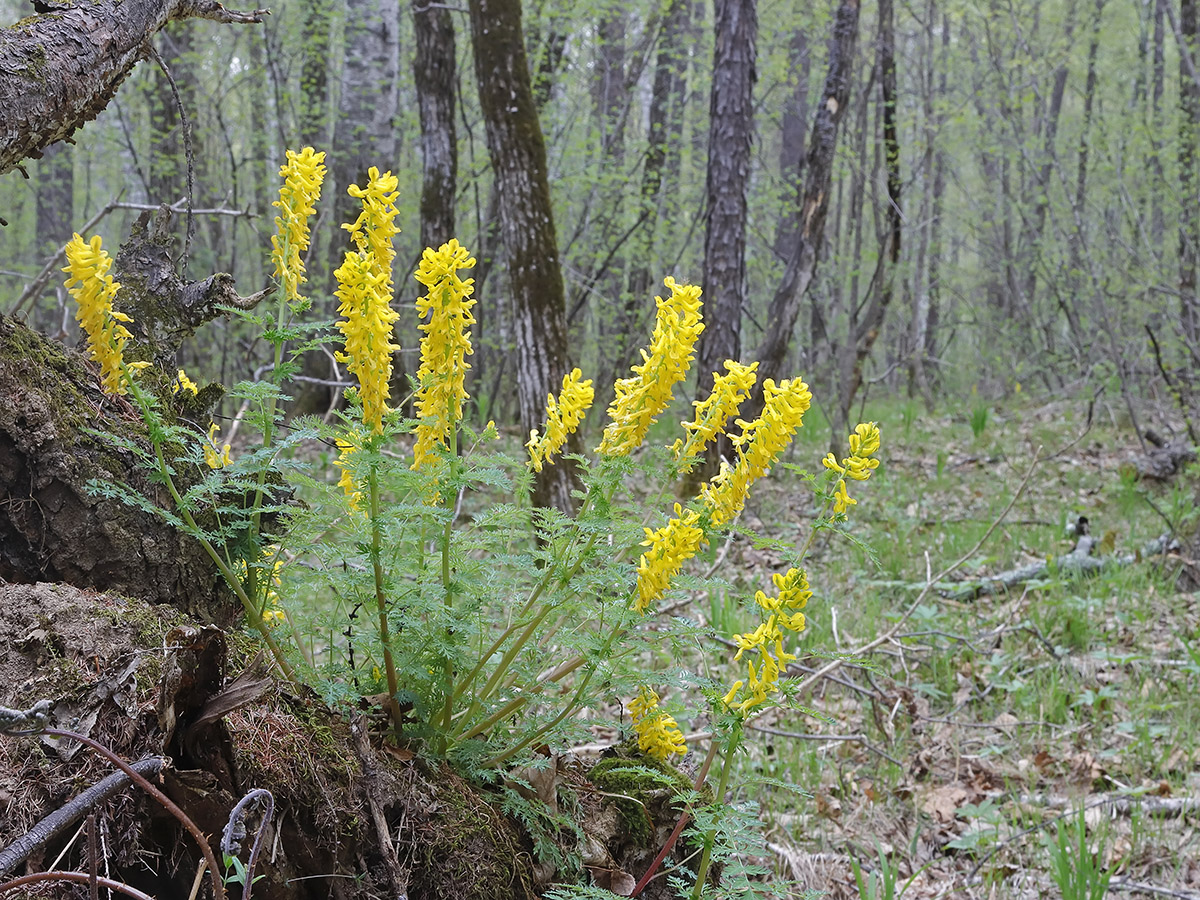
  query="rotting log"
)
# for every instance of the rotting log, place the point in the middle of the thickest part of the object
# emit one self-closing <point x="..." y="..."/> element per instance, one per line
<point x="59" y="69"/>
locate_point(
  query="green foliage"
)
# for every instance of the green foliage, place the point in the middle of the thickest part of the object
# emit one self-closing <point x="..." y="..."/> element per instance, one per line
<point x="1077" y="868"/>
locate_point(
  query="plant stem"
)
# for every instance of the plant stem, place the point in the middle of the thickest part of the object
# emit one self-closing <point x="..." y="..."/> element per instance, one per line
<point x="684" y="818"/>
<point x="448" y="591"/>
<point x="234" y="582"/>
<point x="385" y="637"/>
<point x="735" y="737"/>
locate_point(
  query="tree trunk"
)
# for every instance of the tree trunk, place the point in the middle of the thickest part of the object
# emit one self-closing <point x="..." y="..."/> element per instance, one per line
<point x="59" y="70"/>
<point x="1189" y="134"/>
<point x="805" y="251"/>
<point x="662" y="151"/>
<point x="55" y="183"/>
<point x="364" y="135"/>
<point x="792" y="144"/>
<point x="518" y="155"/>
<point x="313" y="124"/>
<point x="865" y="330"/>
<point x="730" y="133"/>
<point x="434" y="74"/>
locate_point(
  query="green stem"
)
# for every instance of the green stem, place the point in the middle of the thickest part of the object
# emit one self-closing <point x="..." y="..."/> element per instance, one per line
<point x="385" y="637"/>
<point x="735" y="737"/>
<point x="448" y="591"/>
<point x="234" y="582"/>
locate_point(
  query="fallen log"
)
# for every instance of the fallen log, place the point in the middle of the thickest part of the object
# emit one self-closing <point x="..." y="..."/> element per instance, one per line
<point x="1077" y="563"/>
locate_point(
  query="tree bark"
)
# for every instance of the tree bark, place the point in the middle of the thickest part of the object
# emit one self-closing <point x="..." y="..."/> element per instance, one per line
<point x="865" y="330"/>
<point x="518" y="154"/>
<point x="1189" y="134"/>
<point x="313" y="122"/>
<point x="59" y="70"/>
<point x="802" y="265"/>
<point x="434" y="73"/>
<point x="730" y="133"/>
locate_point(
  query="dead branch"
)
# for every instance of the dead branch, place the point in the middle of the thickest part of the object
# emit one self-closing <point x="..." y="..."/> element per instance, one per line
<point x="1071" y="565"/>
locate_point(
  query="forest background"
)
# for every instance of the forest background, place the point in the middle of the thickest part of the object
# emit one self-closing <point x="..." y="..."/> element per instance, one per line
<point x="1038" y="219"/>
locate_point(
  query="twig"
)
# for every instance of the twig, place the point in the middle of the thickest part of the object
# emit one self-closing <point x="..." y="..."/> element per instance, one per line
<point x="1126" y="885"/>
<point x="36" y="716"/>
<point x="78" y="877"/>
<point x="66" y="815"/>
<point x="833" y="665"/>
<point x="186" y="127"/>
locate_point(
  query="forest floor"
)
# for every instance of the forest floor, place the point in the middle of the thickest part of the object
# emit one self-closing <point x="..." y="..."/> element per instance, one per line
<point x="955" y="758"/>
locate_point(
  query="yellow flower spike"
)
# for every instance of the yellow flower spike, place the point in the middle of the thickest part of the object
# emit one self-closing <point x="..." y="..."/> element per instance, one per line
<point x="670" y="547"/>
<point x="858" y="465"/>
<point x="366" y="305"/>
<point x="658" y="733"/>
<point x="644" y="395"/>
<point x="728" y="392"/>
<point x="445" y="346"/>
<point x="216" y="456"/>
<point x="94" y="289"/>
<point x="183" y="383"/>
<point x="375" y="226"/>
<point x="759" y="444"/>
<point x="562" y="418"/>
<point x="302" y="176"/>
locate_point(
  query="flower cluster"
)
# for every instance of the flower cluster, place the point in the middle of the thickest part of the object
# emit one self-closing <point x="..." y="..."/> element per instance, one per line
<point x="183" y="383"/>
<point x="859" y="465"/>
<point x="216" y="455"/>
<point x="728" y="392"/>
<point x="562" y="418"/>
<point x="302" y="176"/>
<point x="648" y="392"/>
<point x="366" y="305"/>
<point x="87" y="266"/>
<point x="658" y="733"/>
<point x="444" y="347"/>
<point x="670" y="547"/>
<point x="759" y="444"/>
<point x="783" y="615"/>
<point x="375" y="226"/>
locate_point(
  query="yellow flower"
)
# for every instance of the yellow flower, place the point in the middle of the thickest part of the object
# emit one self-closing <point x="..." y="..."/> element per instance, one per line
<point x="859" y="465"/>
<point x="183" y="383"/>
<point x="794" y="594"/>
<point x="216" y="456"/>
<point x="640" y="398"/>
<point x="658" y="733"/>
<point x="444" y="347"/>
<point x="365" y="303"/>
<point x="348" y="447"/>
<point x="758" y="446"/>
<point x="302" y="176"/>
<point x="87" y="267"/>
<point x="375" y="226"/>
<point x="670" y="547"/>
<point x="728" y="392"/>
<point x="783" y="614"/>
<point x="562" y="418"/>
